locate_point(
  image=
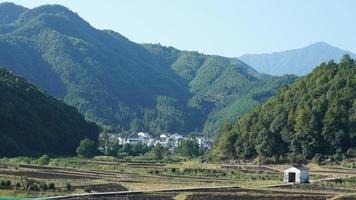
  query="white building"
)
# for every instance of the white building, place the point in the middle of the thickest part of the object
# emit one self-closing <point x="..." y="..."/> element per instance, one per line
<point x="176" y="139"/>
<point x="132" y="140"/>
<point x="296" y="174"/>
<point x="163" y="140"/>
<point x="143" y="137"/>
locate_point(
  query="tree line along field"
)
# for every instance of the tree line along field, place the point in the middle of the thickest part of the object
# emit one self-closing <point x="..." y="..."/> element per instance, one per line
<point x="64" y="176"/>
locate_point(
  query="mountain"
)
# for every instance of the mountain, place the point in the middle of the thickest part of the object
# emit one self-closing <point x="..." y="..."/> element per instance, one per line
<point x="313" y="118"/>
<point x="33" y="123"/>
<point x="222" y="88"/>
<point x="124" y="85"/>
<point x="297" y="61"/>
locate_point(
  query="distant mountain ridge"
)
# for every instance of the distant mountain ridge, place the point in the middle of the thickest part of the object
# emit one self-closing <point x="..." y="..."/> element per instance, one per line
<point x="296" y="61"/>
<point x="124" y="85"/>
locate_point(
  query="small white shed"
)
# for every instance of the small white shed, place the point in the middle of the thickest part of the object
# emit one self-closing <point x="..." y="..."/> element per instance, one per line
<point x="296" y="174"/>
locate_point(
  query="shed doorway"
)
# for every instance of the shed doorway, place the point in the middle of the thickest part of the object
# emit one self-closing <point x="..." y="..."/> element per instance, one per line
<point x="291" y="177"/>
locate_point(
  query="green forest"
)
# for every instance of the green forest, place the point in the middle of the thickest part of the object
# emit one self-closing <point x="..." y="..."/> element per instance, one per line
<point x="123" y="85"/>
<point x="33" y="123"/>
<point x="314" y="118"/>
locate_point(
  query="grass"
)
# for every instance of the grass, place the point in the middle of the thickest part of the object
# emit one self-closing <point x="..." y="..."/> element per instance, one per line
<point x="183" y="196"/>
<point x="344" y="196"/>
<point x="23" y="194"/>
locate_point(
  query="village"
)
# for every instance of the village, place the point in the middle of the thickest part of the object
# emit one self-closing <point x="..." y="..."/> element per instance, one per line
<point x="168" y="140"/>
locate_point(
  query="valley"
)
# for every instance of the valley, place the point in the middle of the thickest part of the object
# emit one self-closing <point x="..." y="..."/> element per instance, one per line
<point x="87" y="113"/>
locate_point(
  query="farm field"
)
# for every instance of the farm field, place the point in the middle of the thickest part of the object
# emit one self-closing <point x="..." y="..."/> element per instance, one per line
<point x="183" y="180"/>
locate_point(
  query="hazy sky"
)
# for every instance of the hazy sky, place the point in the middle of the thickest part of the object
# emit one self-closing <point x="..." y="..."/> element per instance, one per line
<point x="224" y="27"/>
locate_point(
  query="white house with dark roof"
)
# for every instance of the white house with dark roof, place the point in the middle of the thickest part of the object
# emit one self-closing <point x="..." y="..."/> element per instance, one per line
<point x="296" y="174"/>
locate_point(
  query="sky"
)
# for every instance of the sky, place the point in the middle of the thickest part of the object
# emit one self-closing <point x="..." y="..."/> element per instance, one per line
<point x="222" y="27"/>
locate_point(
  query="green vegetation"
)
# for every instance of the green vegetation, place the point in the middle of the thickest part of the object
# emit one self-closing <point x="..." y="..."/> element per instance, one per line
<point x="189" y="148"/>
<point x="132" y="149"/>
<point x="123" y="85"/>
<point x="313" y="118"/>
<point x="33" y="123"/>
<point x="222" y="88"/>
<point x="44" y="160"/>
<point x="26" y="184"/>
<point x="87" y="148"/>
<point x="159" y="151"/>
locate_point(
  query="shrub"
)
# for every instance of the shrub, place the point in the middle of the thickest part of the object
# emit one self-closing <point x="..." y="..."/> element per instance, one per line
<point x="51" y="186"/>
<point x="351" y="152"/>
<point x="159" y="151"/>
<point x="68" y="186"/>
<point x="87" y="148"/>
<point x="43" y="186"/>
<point x="44" y="160"/>
<point x="174" y="170"/>
<point x="8" y="184"/>
<point x="87" y="189"/>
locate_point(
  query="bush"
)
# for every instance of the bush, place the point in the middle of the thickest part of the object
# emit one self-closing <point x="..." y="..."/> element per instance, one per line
<point x="351" y="152"/>
<point x="87" y="148"/>
<point x="188" y="148"/>
<point x="68" y="186"/>
<point x="52" y="186"/>
<point x="44" y="186"/>
<point x="44" y="160"/>
<point x="8" y="184"/>
<point x="25" y="160"/>
<point x="87" y="189"/>
<point x="174" y="170"/>
<point x="5" y="184"/>
<point x="159" y="151"/>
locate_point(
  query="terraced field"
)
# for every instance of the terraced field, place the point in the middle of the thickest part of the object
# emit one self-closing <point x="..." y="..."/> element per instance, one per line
<point x="192" y="180"/>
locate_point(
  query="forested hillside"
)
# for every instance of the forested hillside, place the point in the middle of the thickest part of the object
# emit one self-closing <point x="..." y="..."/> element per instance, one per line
<point x="121" y="84"/>
<point x="315" y="118"/>
<point x="33" y="123"/>
<point x="221" y="88"/>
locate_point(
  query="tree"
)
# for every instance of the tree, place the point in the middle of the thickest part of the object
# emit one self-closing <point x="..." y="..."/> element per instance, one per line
<point x="159" y="151"/>
<point x="127" y="149"/>
<point x="313" y="118"/>
<point x="188" y="148"/>
<point x="87" y="148"/>
<point x="139" y="149"/>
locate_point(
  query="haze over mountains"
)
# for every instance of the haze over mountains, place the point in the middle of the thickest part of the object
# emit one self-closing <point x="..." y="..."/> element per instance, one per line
<point x="123" y="85"/>
<point x="296" y="61"/>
